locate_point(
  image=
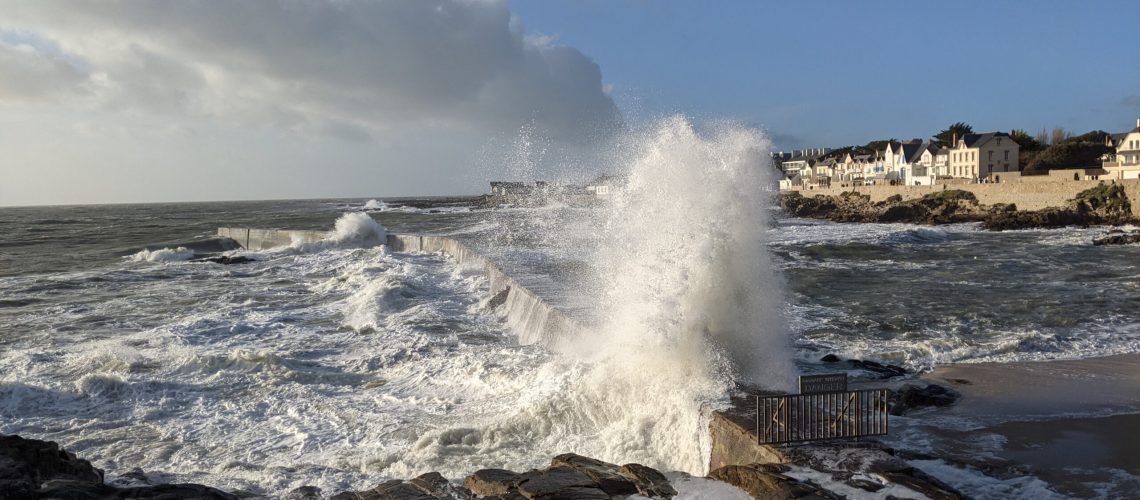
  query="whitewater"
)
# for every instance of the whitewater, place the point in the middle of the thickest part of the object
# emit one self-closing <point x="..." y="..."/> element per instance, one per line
<point x="338" y="362"/>
<point x="341" y="363"/>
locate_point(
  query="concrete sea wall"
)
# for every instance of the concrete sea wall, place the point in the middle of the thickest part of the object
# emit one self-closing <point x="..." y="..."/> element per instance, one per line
<point x="1027" y="195"/>
<point x="535" y="322"/>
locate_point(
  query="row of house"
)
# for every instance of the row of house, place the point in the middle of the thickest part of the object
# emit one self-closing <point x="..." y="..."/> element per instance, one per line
<point x="981" y="157"/>
<point x="978" y="157"/>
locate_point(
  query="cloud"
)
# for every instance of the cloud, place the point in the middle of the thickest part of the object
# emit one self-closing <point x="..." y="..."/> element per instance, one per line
<point x="33" y="69"/>
<point x="346" y="68"/>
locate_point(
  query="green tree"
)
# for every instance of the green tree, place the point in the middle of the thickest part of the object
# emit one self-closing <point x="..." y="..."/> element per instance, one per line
<point x="1026" y="141"/>
<point x="959" y="129"/>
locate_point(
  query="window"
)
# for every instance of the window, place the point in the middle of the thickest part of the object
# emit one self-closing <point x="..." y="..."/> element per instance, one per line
<point x="1007" y="155"/>
<point x="991" y="155"/>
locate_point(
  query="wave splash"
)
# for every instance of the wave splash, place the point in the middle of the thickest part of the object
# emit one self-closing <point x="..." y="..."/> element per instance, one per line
<point x="689" y="304"/>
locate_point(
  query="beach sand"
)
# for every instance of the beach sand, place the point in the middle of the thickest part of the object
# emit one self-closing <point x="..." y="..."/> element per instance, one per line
<point x="1073" y="424"/>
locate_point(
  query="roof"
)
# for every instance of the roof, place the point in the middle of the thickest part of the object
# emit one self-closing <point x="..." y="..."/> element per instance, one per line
<point x="912" y="152"/>
<point x="975" y="140"/>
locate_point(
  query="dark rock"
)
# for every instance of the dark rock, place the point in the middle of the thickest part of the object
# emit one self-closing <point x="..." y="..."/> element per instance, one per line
<point x="648" y="480"/>
<point x="490" y="482"/>
<point x="61" y="489"/>
<point x="305" y="493"/>
<point x="912" y="396"/>
<point x="499" y="298"/>
<point x="1118" y="238"/>
<point x="608" y="476"/>
<point x="864" y="484"/>
<point x="228" y="260"/>
<point x="25" y="464"/>
<point x="899" y="472"/>
<point x="545" y="483"/>
<point x="882" y="370"/>
<point x="764" y="482"/>
<point x="572" y="493"/>
<point x="830" y="358"/>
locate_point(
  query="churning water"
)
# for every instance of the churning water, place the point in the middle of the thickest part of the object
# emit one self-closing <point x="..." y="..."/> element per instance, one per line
<point x="340" y="363"/>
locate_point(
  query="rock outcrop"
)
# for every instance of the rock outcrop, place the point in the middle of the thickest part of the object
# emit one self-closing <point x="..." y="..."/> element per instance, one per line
<point x="1104" y="204"/>
<point x="767" y="481"/>
<point x="1118" y="238"/>
<point x="943" y="207"/>
<point x="571" y="476"/>
<point x="911" y="396"/>
<point x="32" y="469"/>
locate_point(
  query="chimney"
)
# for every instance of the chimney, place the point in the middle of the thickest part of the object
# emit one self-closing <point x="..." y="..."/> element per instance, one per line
<point x="1138" y="122"/>
<point x="954" y="141"/>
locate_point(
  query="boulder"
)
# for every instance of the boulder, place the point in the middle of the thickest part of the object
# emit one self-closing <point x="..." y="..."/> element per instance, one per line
<point x="1118" y="238"/>
<point x="648" y="480"/>
<point x="25" y="464"/>
<point x="546" y="483"/>
<point x="227" y="260"/>
<point x="607" y="476"/>
<point x="491" y="482"/>
<point x="767" y="482"/>
<point x="911" y="396"/>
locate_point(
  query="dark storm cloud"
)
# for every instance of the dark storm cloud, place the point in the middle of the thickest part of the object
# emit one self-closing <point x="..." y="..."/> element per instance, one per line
<point x="350" y="68"/>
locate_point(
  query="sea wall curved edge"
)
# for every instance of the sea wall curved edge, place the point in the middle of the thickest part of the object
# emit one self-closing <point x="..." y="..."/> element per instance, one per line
<point x="532" y="319"/>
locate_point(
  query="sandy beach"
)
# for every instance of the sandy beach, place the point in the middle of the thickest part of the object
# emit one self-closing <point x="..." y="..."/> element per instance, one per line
<point x="1072" y="423"/>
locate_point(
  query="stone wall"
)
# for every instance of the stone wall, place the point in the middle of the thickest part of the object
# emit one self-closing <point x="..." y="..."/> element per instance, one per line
<point x="1027" y="195"/>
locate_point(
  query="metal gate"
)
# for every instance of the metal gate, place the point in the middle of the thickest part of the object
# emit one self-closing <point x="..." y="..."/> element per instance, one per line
<point x="814" y="417"/>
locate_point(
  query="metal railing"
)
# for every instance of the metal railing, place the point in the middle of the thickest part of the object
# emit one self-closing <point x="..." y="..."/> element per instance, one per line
<point x="815" y="417"/>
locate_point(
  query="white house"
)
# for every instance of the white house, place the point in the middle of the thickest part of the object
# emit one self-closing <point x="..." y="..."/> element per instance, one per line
<point x="983" y="156"/>
<point x="1125" y="164"/>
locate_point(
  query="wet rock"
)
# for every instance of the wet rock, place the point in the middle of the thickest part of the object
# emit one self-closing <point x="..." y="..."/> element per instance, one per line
<point x="911" y="396"/>
<point x="830" y="358"/>
<point x="763" y="481"/>
<point x="71" y="489"/>
<point x="305" y="493"/>
<point x="874" y="460"/>
<point x="499" y="298"/>
<point x="607" y="476"/>
<point x="648" y="480"/>
<point x="25" y="464"/>
<point x="883" y="370"/>
<point x="491" y="482"/>
<point x="227" y="260"/>
<point x="1118" y="238"/>
<point x="864" y="484"/>
<point x="546" y="483"/>
<point x="899" y="472"/>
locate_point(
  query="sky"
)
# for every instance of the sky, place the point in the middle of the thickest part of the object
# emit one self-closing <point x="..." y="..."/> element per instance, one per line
<point x="152" y="101"/>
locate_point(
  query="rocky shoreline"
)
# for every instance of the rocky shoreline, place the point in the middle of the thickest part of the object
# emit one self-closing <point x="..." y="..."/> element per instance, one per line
<point x="34" y="469"/>
<point x="1106" y="204"/>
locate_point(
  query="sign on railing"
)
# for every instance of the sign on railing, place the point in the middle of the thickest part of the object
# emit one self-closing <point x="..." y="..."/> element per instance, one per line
<point x="816" y="384"/>
<point x="814" y="417"/>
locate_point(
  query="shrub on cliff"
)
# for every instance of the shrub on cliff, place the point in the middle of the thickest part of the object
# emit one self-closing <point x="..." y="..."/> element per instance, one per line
<point x="1067" y="155"/>
<point x="1106" y="200"/>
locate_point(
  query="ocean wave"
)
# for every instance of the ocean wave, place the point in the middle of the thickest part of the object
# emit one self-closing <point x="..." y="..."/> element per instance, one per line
<point x="163" y="255"/>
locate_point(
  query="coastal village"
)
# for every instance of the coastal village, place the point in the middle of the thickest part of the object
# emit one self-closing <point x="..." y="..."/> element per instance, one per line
<point x="966" y="157"/>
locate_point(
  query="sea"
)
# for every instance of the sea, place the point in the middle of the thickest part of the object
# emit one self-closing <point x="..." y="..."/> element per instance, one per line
<point x="346" y="364"/>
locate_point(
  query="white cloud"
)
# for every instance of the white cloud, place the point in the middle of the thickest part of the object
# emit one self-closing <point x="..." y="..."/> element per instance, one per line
<point x="349" y="68"/>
